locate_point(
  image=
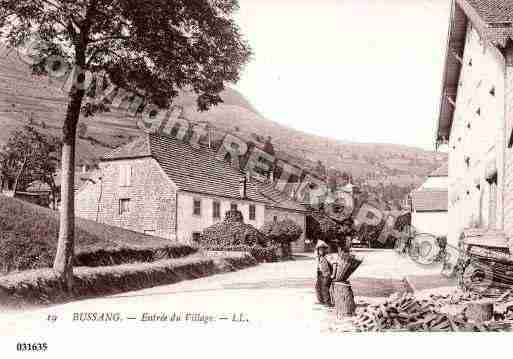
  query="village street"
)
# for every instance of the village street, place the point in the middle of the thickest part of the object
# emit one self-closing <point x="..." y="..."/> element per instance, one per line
<point x="268" y="294"/>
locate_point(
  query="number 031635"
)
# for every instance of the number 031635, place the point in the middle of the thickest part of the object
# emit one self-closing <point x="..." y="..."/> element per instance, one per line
<point x="32" y="347"/>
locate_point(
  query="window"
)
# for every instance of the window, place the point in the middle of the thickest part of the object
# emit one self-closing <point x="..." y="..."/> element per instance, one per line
<point x="196" y="210"/>
<point x="233" y="207"/>
<point x="492" y="206"/>
<point x="125" y="175"/>
<point x="216" y="210"/>
<point x="252" y="212"/>
<point x="196" y="236"/>
<point x="124" y="205"/>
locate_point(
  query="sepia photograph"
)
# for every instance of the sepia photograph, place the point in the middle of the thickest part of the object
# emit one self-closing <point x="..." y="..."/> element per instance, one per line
<point x="285" y="173"/>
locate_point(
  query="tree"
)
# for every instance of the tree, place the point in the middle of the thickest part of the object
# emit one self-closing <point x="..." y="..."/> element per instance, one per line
<point x="282" y="232"/>
<point x="268" y="146"/>
<point x="320" y="169"/>
<point x="29" y="156"/>
<point x="151" y="48"/>
<point x="322" y="227"/>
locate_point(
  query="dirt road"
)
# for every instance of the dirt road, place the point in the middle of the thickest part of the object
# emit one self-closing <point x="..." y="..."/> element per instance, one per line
<point x="270" y="293"/>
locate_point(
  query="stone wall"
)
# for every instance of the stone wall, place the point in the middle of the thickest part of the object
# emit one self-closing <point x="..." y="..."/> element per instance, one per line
<point x="508" y="155"/>
<point x="475" y="134"/>
<point x="188" y="222"/>
<point x="151" y="195"/>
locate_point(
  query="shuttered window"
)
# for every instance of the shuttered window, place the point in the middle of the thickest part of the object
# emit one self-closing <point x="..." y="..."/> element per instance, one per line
<point x="124" y="205"/>
<point x="125" y="175"/>
<point x="216" y="210"/>
<point x="196" y="236"/>
<point x="252" y="212"/>
<point x="196" y="210"/>
<point x="492" y="212"/>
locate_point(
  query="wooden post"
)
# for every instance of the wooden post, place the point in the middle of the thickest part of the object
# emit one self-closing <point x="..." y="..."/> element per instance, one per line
<point x="344" y="299"/>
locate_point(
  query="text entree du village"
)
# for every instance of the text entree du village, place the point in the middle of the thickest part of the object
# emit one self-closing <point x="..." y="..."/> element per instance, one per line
<point x="158" y="317"/>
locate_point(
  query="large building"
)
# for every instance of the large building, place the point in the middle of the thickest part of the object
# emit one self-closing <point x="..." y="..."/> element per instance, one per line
<point x="430" y="202"/>
<point x="476" y="118"/>
<point x="164" y="187"/>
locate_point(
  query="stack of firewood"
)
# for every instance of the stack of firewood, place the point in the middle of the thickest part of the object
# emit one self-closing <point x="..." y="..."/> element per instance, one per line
<point x="341" y="290"/>
<point x="345" y="266"/>
<point x="487" y="271"/>
<point x="404" y="312"/>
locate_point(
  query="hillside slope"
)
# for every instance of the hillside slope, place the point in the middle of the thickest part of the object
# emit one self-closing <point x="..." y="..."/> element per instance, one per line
<point x="22" y="94"/>
<point x="28" y="239"/>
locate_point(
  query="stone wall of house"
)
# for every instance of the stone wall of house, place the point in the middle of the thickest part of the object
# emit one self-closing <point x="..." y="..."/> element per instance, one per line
<point x="190" y="223"/>
<point x="150" y="194"/>
<point x="435" y="223"/>
<point x="299" y="218"/>
<point x="435" y="182"/>
<point x="475" y="134"/>
<point x="508" y="152"/>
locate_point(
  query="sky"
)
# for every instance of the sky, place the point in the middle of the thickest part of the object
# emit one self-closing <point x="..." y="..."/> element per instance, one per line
<point x="355" y="70"/>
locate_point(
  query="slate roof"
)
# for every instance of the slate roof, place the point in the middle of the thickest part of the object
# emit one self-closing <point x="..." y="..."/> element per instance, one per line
<point x="138" y="148"/>
<point x="430" y="200"/>
<point x="493" y="11"/>
<point x="198" y="170"/>
<point x="442" y="171"/>
<point x="493" y="19"/>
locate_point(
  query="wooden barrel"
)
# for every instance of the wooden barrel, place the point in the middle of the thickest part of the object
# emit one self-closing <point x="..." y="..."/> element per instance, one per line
<point x="344" y="299"/>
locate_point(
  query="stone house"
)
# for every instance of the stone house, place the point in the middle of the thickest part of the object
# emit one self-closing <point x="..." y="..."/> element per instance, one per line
<point x="476" y="118"/>
<point x="164" y="187"/>
<point x="430" y="203"/>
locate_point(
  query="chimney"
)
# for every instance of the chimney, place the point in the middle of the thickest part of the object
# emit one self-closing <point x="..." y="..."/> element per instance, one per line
<point x="243" y="187"/>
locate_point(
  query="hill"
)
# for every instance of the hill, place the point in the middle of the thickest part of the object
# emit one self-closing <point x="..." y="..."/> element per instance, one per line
<point x="28" y="240"/>
<point x="23" y="95"/>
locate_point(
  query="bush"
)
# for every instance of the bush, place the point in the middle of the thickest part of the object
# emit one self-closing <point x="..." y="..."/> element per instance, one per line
<point x="283" y="233"/>
<point x="232" y="231"/>
<point x="261" y="254"/>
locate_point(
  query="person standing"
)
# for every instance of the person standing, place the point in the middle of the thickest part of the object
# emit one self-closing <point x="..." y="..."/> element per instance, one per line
<point x="324" y="274"/>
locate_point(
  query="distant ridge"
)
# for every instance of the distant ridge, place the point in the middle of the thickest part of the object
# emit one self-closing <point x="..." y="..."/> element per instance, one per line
<point x="21" y="94"/>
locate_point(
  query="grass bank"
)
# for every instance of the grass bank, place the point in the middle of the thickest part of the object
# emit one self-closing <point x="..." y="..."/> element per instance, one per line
<point x="28" y="240"/>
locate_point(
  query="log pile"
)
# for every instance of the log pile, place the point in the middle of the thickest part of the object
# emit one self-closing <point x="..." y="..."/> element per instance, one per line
<point x="404" y="312"/>
<point x="487" y="271"/>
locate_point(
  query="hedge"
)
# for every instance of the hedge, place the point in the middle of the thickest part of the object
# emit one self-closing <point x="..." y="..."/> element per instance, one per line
<point x="261" y="254"/>
<point x="43" y="287"/>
